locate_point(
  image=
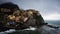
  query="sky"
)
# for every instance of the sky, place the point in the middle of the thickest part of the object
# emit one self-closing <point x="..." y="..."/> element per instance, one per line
<point x="49" y="9"/>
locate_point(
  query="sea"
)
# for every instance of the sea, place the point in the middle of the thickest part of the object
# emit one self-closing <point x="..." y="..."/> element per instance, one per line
<point x="42" y="30"/>
<point x="53" y="22"/>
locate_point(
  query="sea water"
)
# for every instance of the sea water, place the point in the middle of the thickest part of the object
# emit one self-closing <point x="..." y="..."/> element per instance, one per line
<point x="46" y="30"/>
<point x="53" y="22"/>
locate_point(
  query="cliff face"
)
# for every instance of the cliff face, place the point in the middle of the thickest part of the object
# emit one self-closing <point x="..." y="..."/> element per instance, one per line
<point x="35" y="18"/>
<point x="13" y="17"/>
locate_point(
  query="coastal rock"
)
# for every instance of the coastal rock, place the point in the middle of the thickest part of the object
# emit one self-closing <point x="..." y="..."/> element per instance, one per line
<point x="11" y="17"/>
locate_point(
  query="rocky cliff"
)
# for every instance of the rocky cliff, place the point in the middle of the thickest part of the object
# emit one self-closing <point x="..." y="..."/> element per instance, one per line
<point x="11" y="17"/>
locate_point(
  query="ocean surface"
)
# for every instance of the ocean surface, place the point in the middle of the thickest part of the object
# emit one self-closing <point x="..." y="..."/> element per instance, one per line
<point x="53" y="22"/>
<point x="43" y="30"/>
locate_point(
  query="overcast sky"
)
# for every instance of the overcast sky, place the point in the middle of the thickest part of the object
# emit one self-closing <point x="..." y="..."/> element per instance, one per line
<point x="49" y="9"/>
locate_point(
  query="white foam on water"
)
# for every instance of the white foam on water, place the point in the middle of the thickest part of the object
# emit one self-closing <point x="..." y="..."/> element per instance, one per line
<point x="8" y="31"/>
<point x="31" y="28"/>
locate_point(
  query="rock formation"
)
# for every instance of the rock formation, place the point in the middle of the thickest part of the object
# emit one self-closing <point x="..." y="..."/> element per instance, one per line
<point x="11" y="17"/>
